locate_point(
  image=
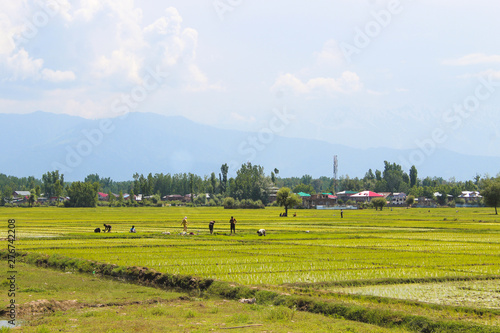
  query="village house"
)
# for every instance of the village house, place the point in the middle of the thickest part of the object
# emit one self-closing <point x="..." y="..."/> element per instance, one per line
<point x="365" y="196"/>
<point x="323" y="199"/>
<point x="470" y="196"/>
<point x="20" y="196"/>
<point x="173" y="197"/>
<point x="102" y="196"/>
<point x="306" y="199"/>
<point x="398" y="199"/>
<point x="344" y="195"/>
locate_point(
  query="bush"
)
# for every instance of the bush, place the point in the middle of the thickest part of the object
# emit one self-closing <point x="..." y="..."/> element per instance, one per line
<point x="379" y="203"/>
<point x="244" y="203"/>
<point x="229" y="203"/>
<point x="201" y="199"/>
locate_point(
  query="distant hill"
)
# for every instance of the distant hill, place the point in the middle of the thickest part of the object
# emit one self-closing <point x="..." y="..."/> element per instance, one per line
<point x="35" y="143"/>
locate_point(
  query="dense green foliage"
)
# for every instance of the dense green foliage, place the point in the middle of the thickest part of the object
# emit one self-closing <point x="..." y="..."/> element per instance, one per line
<point x="82" y="195"/>
<point x="491" y="193"/>
<point x="379" y="203"/>
<point x="251" y="183"/>
<point x="287" y="199"/>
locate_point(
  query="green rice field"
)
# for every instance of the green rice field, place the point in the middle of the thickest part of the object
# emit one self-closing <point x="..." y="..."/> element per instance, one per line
<point x="440" y="256"/>
<point x="316" y="246"/>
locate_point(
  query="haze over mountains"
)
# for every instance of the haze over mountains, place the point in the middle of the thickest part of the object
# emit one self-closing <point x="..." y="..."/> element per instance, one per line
<point x="145" y="142"/>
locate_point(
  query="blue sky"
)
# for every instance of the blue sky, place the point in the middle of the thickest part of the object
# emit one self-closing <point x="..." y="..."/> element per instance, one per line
<point x="371" y="73"/>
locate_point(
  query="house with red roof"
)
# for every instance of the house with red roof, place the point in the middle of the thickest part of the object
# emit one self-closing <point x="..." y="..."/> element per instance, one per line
<point x="365" y="196"/>
<point x="102" y="196"/>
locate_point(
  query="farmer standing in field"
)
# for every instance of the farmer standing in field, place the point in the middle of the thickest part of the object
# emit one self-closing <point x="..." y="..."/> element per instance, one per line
<point x="232" y="221"/>
<point x="184" y="223"/>
<point x="211" y="226"/>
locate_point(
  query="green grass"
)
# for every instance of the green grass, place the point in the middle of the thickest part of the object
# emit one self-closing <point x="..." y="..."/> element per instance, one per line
<point x="364" y="245"/>
<point x="131" y="308"/>
<point x="364" y="258"/>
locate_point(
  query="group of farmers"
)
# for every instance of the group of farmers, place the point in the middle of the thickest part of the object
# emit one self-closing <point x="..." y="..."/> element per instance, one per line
<point x="232" y="223"/>
<point x="184" y="223"/>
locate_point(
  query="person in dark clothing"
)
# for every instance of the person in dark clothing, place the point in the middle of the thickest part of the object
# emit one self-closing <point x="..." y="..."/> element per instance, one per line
<point x="211" y="226"/>
<point x="97" y="230"/>
<point x="232" y="222"/>
<point x="341" y="214"/>
<point x="107" y="227"/>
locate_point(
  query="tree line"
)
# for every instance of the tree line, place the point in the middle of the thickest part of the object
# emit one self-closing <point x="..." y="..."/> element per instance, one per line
<point x="250" y="183"/>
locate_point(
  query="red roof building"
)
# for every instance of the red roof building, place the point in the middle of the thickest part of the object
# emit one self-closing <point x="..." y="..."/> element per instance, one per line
<point x="365" y="196"/>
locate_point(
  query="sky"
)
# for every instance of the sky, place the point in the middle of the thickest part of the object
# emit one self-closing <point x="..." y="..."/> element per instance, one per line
<point x="417" y="75"/>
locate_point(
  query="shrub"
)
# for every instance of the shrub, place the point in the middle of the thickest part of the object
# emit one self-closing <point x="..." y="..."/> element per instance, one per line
<point x="228" y="202"/>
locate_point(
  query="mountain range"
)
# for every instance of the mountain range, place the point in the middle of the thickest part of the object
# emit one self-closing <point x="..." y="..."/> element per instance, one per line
<point x="145" y="142"/>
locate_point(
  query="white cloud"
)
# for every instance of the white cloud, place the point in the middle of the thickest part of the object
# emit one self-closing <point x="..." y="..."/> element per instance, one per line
<point x="348" y="82"/>
<point x="241" y="118"/>
<point x="88" y="9"/>
<point x="125" y="65"/>
<point x="473" y="59"/>
<point x="330" y="55"/>
<point x="490" y="73"/>
<point x="318" y="83"/>
<point x="22" y="66"/>
<point x="58" y="76"/>
<point x="163" y="43"/>
<point x="7" y="45"/>
<point x="376" y="93"/>
<point x="170" y="24"/>
<point x="290" y="81"/>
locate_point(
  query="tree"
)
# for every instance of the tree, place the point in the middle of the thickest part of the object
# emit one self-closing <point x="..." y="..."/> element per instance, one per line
<point x="491" y="193"/>
<point x="410" y="200"/>
<point x="228" y="202"/>
<point x="111" y="198"/>
<point x="201" y="199"/>
<point x="304" y="188"/>
<point x="82" y="194"/>
<point x="306" y="179"/>
<point x="287" y="199"/>
<point x="120" y="198"/>
<point x="379" y="203"/>
<point x="250" y="183"/>
<point x="413" y="176"/>
<point x="223" y="179"/>
<point x="92" y="178"/>
<point x="38" y="191"/>
<point x="7" y="195"/>
<point x="369" y="175"/>
<point x="213" y="182"/>
<point x="396" y="179"/>
<point x="32" y="198"/>
<point x="53" y="184"/>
